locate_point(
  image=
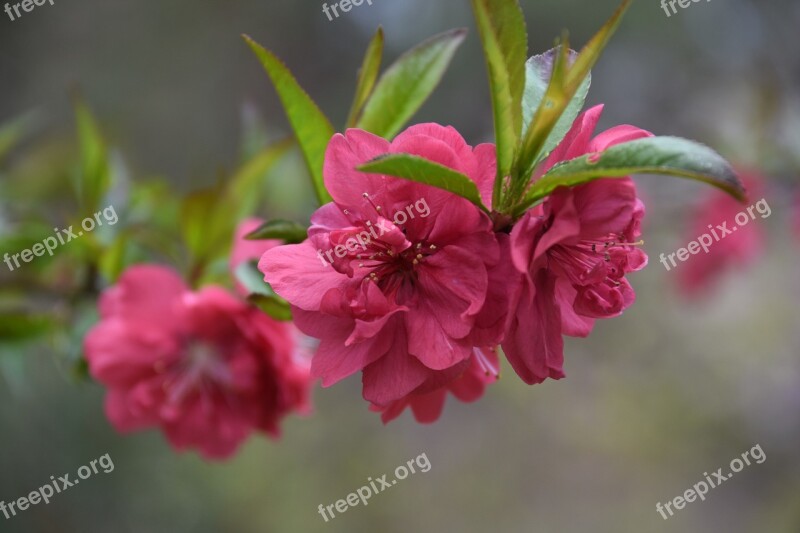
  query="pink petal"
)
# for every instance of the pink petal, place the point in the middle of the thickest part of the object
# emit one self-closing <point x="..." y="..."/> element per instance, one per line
<point x="297" y="274"/>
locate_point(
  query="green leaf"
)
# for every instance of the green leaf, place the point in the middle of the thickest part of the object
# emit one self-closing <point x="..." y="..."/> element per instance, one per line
<point x="244" y="189"/>
<point x="112" y="258"/>
<point x="208" y="217"/>
<point x="552" y="105"/>
<point x="653" y="155"/>
<point x="560" y="93"/>
<point x="501" y="25"/>
<point x="21" y="326"/>
<point x="367" y="76"/>
<point x="406" y="85"/>
<point x="274" y="306"/>
<point x="95" y="176"/>
<point x="310" y="125"/>
<point x="289" y="232"/>
<point x="207" y="229"/>
<point x="537" y="77"/>
<point x="424" y="171"/>
<point x="261" y="293"/>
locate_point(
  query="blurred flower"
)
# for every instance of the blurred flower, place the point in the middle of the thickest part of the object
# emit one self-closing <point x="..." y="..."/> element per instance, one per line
<point x="468" y="385"/>
<point x="405" y="295"/>
<point x="204" y="367"/>
<point x="573" y="252"/>
<point x="738" y="248"/>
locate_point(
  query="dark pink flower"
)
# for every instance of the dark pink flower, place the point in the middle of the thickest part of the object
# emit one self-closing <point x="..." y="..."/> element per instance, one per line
<point x="394" y="278"/>
<point x="736" y="248"/>
<point x="204" y="367"/>
<point x="465" y="381"/>
<point x="573" y="252"/>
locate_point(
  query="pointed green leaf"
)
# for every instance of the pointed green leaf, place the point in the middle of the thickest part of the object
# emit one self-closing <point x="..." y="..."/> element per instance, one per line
<point x="554" y="101"/>
<point x="406" y="85"/>
<point x="562" y="94"/>
<point x="95" y="177"/>
<point x="537" y="77"/>
<point x="244" y="189"/>
<point x="310" y="125"/>
<point x="653" y="155"/>
<point x="501" y="25"/>
<point x="196" y="209"/>
<point x="421" y="170"/>
<point x="367" y="76"/>
<point x="289" y="232"/>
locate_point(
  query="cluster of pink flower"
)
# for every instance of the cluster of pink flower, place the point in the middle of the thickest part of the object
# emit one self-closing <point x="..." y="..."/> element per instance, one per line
<point x="516" y="245"/>
<point x="421" y="311"/>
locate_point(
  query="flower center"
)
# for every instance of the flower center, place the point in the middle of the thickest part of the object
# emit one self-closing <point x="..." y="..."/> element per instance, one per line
<point x="593" y="261"/>
<point x="200" y="368"/>
<point x="386" y="254"/>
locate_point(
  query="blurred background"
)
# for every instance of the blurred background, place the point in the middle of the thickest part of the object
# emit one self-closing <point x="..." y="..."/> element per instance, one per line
<point x="676" y="387"/>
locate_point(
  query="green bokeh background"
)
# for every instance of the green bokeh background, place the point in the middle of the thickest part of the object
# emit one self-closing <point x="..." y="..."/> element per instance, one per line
<point x="653" y="399"/>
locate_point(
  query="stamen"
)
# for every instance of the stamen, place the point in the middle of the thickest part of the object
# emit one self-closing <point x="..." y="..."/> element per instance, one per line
<point x="488" y="368"/>
<point x="377" y="208"/>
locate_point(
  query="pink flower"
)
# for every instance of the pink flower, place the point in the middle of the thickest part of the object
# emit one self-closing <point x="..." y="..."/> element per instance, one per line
<point x="394" y="278"/>
<point x="468" y="385"/>
<point x="736" y="248"/>
<point x="573" y="252"/>
<point x="204" y="367"/>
